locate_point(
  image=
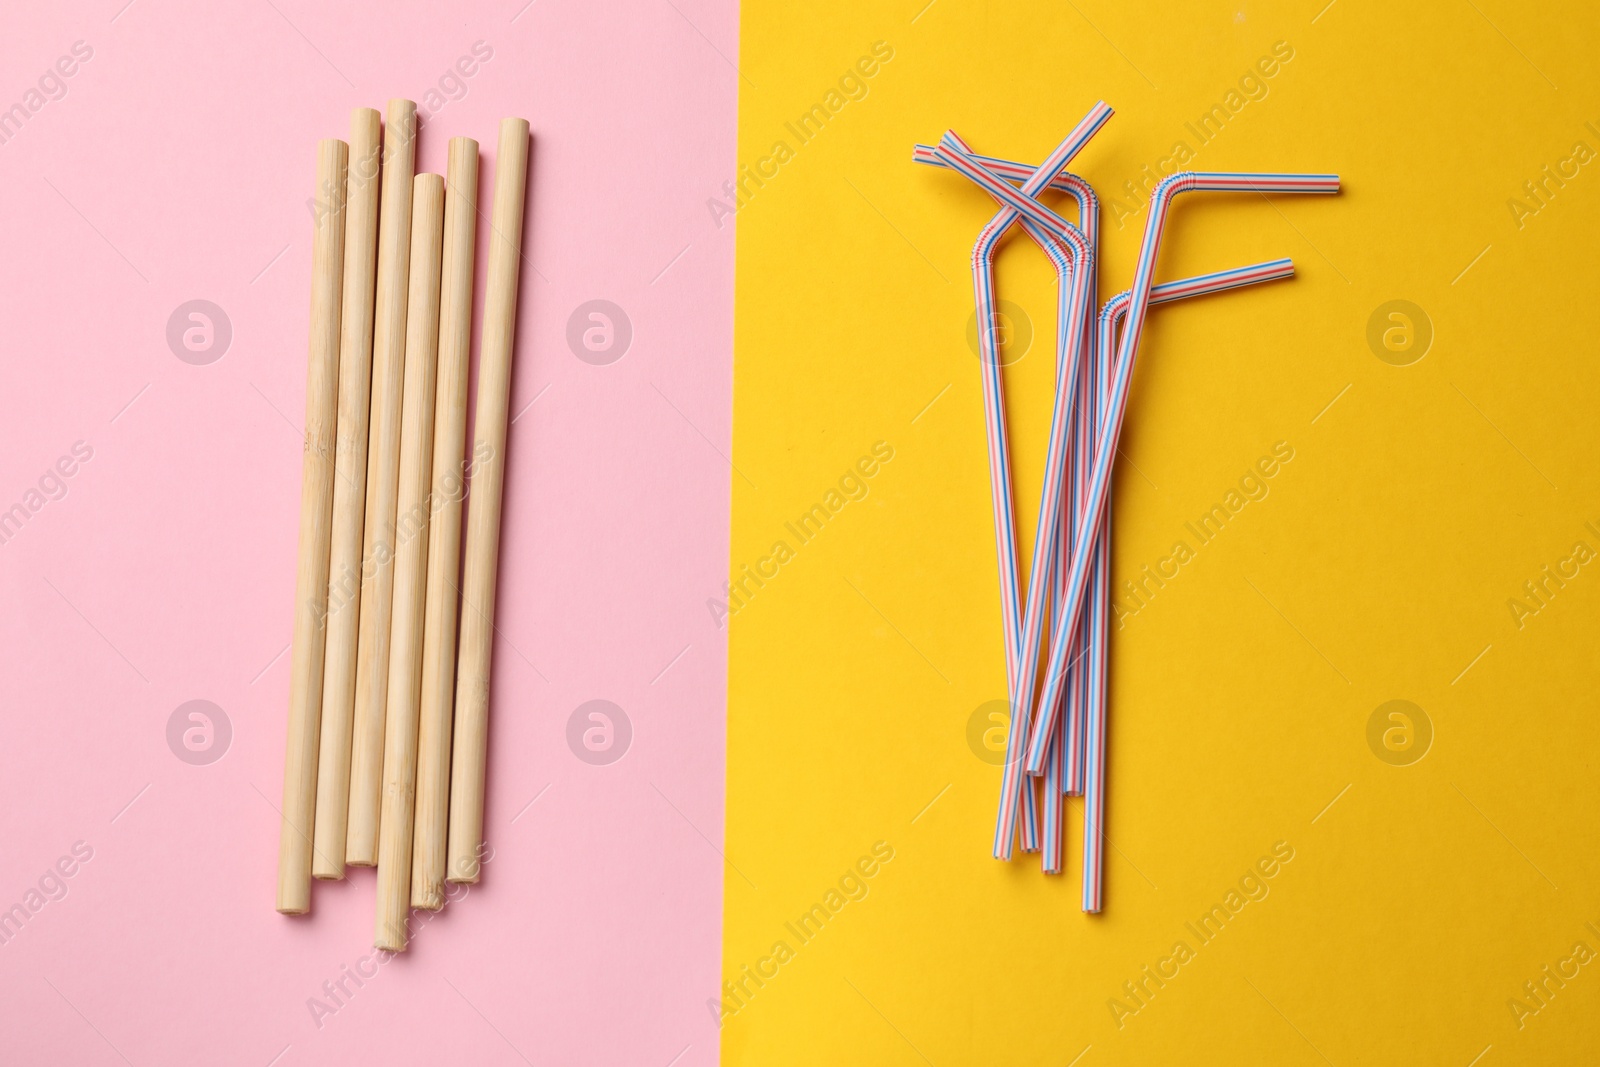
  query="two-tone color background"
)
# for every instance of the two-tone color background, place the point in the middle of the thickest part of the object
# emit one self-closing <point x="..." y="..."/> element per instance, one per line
<point x="794" y="319"/>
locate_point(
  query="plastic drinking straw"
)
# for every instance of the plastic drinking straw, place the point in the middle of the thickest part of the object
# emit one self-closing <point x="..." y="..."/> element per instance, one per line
<point x="1094" y="764"/>
<point x="994" y="410"/>
<point x="1074" y="322"/>
<point x="1054" y="805"/>
<point x="1115" y="407"/>
<point x="1072" y="318"/>
<point x="1087" y="394"/>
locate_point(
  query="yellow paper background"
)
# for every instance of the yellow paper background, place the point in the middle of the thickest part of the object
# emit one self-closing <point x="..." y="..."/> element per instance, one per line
<point x="1378" y="567"/>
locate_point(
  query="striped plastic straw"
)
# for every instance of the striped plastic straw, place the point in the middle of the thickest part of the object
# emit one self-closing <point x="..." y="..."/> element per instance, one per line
<point x="1074" y="258"/>
<point x="1115" y="407"/>
<point x="1111" y="316"/>
<point x="999" y="457"/>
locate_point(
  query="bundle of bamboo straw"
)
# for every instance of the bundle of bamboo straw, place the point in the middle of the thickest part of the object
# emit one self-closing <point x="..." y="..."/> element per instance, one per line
<point x="388" y="725"/>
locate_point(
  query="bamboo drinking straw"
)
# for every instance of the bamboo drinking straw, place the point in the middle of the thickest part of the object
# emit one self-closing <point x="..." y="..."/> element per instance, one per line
<point x="316" y="519"/>
<point x="411" y="557"/>
<point x="349" y="493"/>
<point x="483" y="518"/>
<point x="444" y="535"/>
<point x="383" y="471"/>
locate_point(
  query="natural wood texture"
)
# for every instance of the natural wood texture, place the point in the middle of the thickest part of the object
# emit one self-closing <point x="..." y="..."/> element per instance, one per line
<point x="383" y="473"/>
<point x="411" y="559"/>
<point x="483" y="515"/>
<point x="349" y="492"/>
<point x="316" y="522"/>
<point x="444" y="534"/>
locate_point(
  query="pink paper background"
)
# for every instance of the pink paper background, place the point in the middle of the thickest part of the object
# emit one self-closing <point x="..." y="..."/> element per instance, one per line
<point x="178" y="166"/>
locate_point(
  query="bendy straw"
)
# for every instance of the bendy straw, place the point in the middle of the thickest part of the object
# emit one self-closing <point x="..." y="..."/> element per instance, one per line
<point x="1094" y="664"/>
<point x="1075" y="260"/>
<point x="999" y="454"/>
<point x="383" y="473"/>
<point x="470" y="746"/>
<point x="1115" y="406"/>
<point x="349" y="492"/>
<point x="316" y="523"/>
<point x="444" y="535"/>
<point x="411" y="555"/>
